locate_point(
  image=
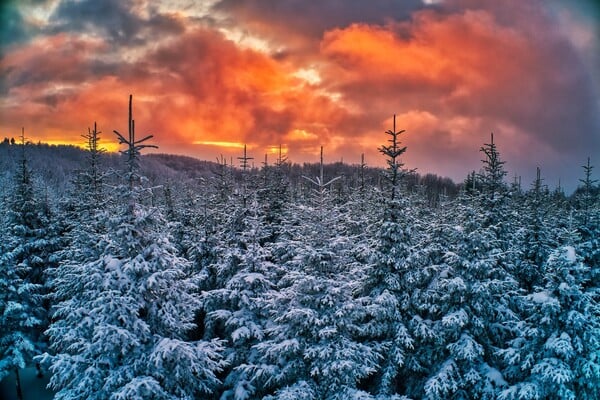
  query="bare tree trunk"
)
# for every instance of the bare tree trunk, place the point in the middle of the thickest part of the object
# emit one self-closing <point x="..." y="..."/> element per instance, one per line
<point x="38" y="368"/>
<point x="18" y="381"/>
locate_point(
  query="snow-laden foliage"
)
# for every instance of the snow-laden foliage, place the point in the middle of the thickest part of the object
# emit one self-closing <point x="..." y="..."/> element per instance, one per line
<point x="310" y="348"/>
<point x="557" y="346"/>
<point x="123" y="330"/>
<point x="27" y="244"/>
<point x="125" y="310"/>
<point x="299" y="282"/>
<point x="232" y="303"/>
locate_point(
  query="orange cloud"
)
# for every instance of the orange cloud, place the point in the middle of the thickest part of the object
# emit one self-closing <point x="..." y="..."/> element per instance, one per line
<point x="198" y="88"/>
<point x="454" y="77"/>
<point x="457" y="54"/>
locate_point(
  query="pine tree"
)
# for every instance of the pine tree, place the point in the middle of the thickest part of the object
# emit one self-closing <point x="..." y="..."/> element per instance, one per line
<point x="25" y="256"/>
<point x="472" y="314"/>
<point x="233" y="310"/>
<point x="555" y="355"/>
<point x="84" y="208"/>
<point x="275" y="193"/>
<point x="586" y="198"/>
<point x="125" y="333"/>
<point x="385" y="292"/>
<point x="310" y="348"/>
<point x="493" y="195"/>
<point x="472" y="311"/>
<point x="394" y="173"/>
<point x="533" y="241"/>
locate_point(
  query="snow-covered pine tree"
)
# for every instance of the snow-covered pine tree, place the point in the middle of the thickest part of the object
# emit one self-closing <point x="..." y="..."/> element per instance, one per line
<point x="586" y="196"/>
<point x="275" y="193"/>
<point x="199" y="217"/>
<point x="125" y="336"/>
<point x="234" y="311"/>
<point x="26" y="254"/>
<point x="533" y="241"/>
<point x="385" y="292"/>
<point x="19" y="316"/>
<point x="492" y="176"/>
<point x="217" y="253"/>
<point x="493" y="196"/>
<point x="588" y="217"/>
<point x="209" y="236"/>
<point x="246" y="167"/>
<point x="556" y="352"/>
<point x="310" y="349"/>
<point x="84" y="210"/>
<point x="433" y="235"/>
<point x="474" y="292"/>
<point x="84" y="218"/>
<point x="241" y="270"/>
<point x="471" y="312"/>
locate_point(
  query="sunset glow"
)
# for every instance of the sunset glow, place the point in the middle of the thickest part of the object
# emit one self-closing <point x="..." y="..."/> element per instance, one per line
<point x="208" y="77"/>
<point x="222" y="144"/>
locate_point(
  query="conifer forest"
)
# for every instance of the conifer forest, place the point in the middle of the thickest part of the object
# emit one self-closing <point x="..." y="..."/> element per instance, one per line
<point x="148" y="276"/>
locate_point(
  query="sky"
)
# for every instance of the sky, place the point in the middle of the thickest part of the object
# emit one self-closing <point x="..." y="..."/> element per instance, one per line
<point x="209" y="77"/>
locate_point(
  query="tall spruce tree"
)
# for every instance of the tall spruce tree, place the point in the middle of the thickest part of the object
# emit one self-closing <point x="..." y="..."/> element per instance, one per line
<point x="473" y="295"/>
<point x="310" y="350"/>
<point x="125" y="335"/>
<point x="385" y="293"/>
<point x="25" y="256"/>
<point x="588" y="220"/>
<point x="586" y="196"/>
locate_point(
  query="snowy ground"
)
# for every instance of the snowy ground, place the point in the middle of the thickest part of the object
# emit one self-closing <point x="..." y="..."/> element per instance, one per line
<point x="34" y="388"/>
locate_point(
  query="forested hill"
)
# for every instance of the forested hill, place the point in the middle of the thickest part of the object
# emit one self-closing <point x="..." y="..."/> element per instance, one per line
<point x="138" y="277"/>
<point x="54" y="167"/>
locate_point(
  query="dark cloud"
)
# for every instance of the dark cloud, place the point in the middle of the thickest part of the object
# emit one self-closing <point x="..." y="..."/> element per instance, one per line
<point x="498" y="76"/>
<point x="313" y="18"/>
<point x="294" y="27"/>
<point x="110" y="17"/>
<point x="164" y="24"/>
<point x="114" y="19"/>
<point x="13" y="27"/>
<point x="56" y="59"/>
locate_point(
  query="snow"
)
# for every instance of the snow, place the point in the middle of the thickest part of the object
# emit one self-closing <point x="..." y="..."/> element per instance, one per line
<point x="570" y="254"/>
<point x="112" y="263"/>
<point x="495" y="376"/>
<point x="252" y="277"/>
<point x="542" y="297"/>
<point x="458" y="318"/>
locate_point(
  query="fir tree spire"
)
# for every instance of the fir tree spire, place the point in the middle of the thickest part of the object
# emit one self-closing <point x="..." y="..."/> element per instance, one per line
<point x="394" y="173"/>
<point x="94" y="175"/>
<point x="132" y="152"/>
<point x="588" y="186"/>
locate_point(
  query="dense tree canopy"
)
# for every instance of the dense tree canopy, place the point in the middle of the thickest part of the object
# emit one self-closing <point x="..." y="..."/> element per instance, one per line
<point x="185" y="279"/>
